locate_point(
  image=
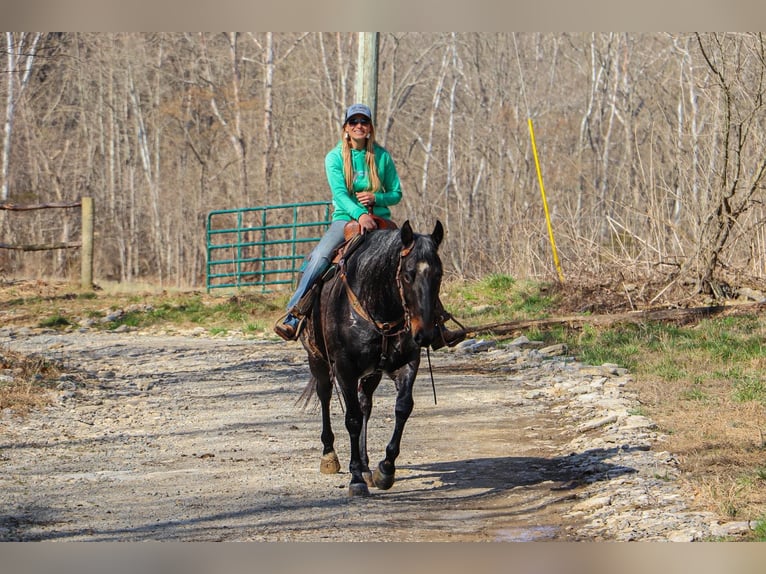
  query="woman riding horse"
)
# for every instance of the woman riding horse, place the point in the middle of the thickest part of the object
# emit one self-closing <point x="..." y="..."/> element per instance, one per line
<point x="364" y="183"/>
<point x="372" y="317"/>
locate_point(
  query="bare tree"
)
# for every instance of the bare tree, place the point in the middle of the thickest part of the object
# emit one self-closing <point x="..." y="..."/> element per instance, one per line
<point x="650" y="144"/>
<point x="738" y="66"/>
<point x="21" y="48"/>
<point x="270" y="61"/>
<point x="231" y="121"/>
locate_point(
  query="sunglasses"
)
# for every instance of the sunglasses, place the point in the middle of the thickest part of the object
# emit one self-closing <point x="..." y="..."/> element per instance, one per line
<point x="362" y="121"/>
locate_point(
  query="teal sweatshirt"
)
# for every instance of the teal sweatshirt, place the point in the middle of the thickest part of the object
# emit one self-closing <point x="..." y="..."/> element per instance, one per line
<point x="345" y="204"/>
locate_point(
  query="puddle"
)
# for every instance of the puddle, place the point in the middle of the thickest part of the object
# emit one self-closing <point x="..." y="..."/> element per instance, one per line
<point x="531" y="534"/>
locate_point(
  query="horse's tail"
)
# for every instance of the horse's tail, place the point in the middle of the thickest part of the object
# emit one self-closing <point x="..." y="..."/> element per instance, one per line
<point x="308" y="397"/>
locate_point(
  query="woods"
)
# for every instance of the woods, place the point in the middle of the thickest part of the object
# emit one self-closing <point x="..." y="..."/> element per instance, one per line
<point x="652" y="146"/>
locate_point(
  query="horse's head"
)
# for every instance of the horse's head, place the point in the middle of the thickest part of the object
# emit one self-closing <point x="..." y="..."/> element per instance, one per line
<point x="419" y="279"/>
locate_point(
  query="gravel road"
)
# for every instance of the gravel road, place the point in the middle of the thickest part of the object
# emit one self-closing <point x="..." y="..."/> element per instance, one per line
<point x="189" y="437"/>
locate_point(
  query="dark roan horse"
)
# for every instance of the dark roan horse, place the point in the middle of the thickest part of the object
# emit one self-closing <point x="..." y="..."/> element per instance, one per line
<point x="372" y="318"/>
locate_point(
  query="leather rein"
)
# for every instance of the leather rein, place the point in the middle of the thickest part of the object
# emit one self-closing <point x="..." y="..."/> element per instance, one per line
<point x="387" y="328"/>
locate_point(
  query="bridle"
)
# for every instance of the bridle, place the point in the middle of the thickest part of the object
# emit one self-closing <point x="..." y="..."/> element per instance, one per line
<point x="385" y="328"/>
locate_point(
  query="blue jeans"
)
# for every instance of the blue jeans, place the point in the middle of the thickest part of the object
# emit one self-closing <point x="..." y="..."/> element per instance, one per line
<point x="318" y="260"/>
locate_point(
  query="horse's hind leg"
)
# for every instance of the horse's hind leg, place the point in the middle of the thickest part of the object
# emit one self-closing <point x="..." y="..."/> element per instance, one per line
<point x="329" y="463"/>
<point x="384" y="474"/>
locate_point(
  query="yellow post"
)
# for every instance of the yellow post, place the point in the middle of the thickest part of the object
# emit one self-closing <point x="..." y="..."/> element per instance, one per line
<point x="545" y="203"/>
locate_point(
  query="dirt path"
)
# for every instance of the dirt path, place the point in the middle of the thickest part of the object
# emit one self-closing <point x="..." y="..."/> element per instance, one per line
<point x="199" y="439"/>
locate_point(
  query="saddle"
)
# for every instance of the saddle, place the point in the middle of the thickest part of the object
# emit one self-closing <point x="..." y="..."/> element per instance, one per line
<point x="353" y="228"/>
<point x="353" y="237"/>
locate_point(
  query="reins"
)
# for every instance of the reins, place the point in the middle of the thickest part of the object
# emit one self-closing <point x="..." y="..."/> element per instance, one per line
<point x="387" y="328"/>
<point x="431" y="372"/>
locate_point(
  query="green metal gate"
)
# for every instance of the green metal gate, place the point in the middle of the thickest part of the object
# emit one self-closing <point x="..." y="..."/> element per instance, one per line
<point x="262" y="246"/>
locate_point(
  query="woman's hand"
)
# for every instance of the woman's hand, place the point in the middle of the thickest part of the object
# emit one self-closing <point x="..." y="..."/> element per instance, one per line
<point x="367" y="223"/>
<point x="366" y="198"/>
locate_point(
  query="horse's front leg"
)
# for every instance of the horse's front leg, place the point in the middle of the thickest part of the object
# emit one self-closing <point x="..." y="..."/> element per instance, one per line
<point x="367" y="387"/>
<point x="384" y="474"/>
<point x="357" y="486"/>
<point x="354" y="423"/>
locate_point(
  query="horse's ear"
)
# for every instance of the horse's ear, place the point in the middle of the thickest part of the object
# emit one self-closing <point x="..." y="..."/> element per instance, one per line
<point x="406" y="233"/>
<point x="438" y="233"/>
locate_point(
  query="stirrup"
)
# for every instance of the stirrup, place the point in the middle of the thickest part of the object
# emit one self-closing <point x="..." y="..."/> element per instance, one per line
<point x="452" y="338"/>
<point x="447" y="337"/>
<point x="287" y="331"/>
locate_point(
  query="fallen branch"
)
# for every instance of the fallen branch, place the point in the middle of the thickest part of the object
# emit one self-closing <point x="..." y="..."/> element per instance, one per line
<point x="680" y="315"/>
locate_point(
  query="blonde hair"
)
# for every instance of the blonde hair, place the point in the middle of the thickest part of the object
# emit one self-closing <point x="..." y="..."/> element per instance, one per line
<point x="348" y="168"/>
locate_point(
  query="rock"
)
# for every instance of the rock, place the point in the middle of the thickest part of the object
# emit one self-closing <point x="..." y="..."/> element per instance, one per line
<point x="636" y="422"/>
<point x="474" y="346"/>
<point x="728" y="529"/>
<point x="113" y="316"/>
<point x="597" y="423"/>
<point x="144" y="385"/>
<point x="66" y="385"/>
<point x="554" y="350"/>
<point x="464" y="346"/>
<point x="681" y="536"/>
<point x="592" y="503"/>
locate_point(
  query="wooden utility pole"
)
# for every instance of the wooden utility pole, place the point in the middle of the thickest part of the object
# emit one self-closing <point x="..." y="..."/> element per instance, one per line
<point x="366" y="87"/>
<point x="86" y="250"/>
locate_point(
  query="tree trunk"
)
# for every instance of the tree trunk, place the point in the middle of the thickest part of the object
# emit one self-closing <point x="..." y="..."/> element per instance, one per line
<point x="269" y="144"/>
<point x="20" y="48"/>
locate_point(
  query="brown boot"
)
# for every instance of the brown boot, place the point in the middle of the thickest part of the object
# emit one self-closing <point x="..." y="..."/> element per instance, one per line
<point x="452" y="338"/>
<point x="288" y="328"/>
<point x="447" y="337"/>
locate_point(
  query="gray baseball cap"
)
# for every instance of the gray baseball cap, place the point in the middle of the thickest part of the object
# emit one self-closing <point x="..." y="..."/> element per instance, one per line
<point x="358" y="110"/>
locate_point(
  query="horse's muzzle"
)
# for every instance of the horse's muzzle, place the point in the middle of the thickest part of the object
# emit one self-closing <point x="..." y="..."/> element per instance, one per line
<point x="423" y="333"/>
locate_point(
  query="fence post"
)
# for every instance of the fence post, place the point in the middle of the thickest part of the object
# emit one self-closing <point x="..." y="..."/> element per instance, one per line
<point x="86" y="251"/>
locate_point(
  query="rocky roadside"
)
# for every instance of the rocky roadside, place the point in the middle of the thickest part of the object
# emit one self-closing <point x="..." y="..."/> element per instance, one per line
<point x="644" y="504"/>
<point x="558" y="449"/>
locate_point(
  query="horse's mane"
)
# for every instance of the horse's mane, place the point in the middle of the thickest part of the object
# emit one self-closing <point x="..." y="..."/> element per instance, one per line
<point x="374" y="259"/>
<point x="378" y="257"/>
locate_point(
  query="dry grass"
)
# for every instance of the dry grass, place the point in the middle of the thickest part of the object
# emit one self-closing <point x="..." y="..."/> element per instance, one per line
<point x="719" y="443"/>
<point x="25" y="381"/>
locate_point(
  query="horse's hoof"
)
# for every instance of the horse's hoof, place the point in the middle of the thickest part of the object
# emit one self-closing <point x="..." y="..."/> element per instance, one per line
<point x="382" y="480"/>
<point x="358" y="489"/>
<point x="367" y="476"/>
<point x="329" y="463"/>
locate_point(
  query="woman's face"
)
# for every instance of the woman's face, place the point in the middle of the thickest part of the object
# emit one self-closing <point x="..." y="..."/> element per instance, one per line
<point x="358" y="128"/>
